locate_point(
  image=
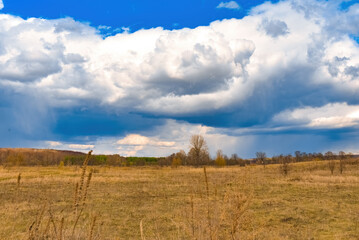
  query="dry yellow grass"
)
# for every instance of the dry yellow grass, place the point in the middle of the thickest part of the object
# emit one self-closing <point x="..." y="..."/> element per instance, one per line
<point x="249" y="202"/>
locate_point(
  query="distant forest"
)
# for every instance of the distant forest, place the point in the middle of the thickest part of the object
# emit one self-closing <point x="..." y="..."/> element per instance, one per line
<point x="198" y="155"/>
<point x="48" y="157"/>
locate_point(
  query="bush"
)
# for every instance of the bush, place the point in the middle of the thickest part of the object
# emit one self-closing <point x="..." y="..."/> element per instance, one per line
<point x="176" y="162"/>
<point x="220" y="162"/>
<point x="61" y="164"/>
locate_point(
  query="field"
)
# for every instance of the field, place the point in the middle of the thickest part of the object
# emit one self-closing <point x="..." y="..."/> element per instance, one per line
<point x="251" y="202"/>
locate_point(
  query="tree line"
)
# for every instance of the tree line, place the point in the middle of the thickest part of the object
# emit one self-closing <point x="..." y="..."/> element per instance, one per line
<point x="198" y="155"/>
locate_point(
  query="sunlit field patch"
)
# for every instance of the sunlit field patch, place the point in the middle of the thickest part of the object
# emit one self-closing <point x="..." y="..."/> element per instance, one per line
<point x="250" y="202"/>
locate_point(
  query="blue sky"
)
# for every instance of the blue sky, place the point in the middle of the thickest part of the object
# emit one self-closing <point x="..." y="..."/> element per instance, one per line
<point x="141" y="77"/>
<point x="134" y="14"/>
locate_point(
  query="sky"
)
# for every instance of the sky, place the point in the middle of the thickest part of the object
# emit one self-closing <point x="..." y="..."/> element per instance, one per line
<point x="139" y="78"/>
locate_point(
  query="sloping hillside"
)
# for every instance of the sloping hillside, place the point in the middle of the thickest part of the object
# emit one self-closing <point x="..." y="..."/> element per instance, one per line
<point x="32" y="156"/>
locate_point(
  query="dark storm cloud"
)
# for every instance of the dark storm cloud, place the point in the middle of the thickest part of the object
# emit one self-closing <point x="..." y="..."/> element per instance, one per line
<point x="94" y="123"/>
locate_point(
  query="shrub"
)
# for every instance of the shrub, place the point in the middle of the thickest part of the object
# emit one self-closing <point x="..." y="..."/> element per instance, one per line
<point x="61" y="164"/>
<point x="220" y="159"/>
<point x="176" y="162"/>
<point x="220" y="162"/>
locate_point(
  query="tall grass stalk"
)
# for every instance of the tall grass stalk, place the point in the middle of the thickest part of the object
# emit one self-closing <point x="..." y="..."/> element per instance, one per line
<point x="208" y="204"/>
<point x="92" y="227"/>
<point x="192" y="215"/>
<point x="82" y="180"/>
<point x="59" y="231"/>
<point x="61" y="228"/>
<point x="141" y="231"/>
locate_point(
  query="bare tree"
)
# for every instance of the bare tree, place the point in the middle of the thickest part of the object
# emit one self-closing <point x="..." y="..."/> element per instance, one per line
<point x="329" y="155"/>
<point x="198" y="153"/>
<point x="261" y="158"/>
<point x="182" y="156"/>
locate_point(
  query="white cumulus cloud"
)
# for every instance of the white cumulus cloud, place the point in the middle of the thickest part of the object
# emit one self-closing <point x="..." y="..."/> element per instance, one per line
<point x="136" y="139"/>
<point x="81" y="146"/>
<point x="178" y="72"/>
<point x="229" y="5"/>
<point x="53" y="143"/>
<point x="133" y="143"/>
<point x="333" y="115"/>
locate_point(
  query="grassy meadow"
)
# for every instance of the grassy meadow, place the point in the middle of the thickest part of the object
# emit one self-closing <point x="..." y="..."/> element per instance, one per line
<point x="251" y="202"/>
